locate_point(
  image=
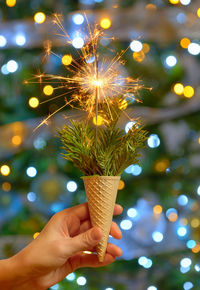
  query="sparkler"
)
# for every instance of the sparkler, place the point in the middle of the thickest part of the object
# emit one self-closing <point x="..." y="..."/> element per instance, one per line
<point x="93" y="79"/>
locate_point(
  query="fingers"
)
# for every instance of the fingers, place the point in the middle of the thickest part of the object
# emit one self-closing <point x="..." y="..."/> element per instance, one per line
<point x="115" y="231"/>
<point x="84" y="241"/>
<point x="89" y="260"/>
<point x="118" y="209"/>
<point x="114" y="250"/>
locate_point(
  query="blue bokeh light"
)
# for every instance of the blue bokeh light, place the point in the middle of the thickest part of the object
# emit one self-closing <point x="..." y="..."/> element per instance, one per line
<point x="31" y="196"/>
<point x="157" y="236"/>
<point x="71" y="276"/>
<point x="132" y="212"/>
<point x="153" y="141"/>
<point x="12" y="66"/>
<point x="188" y="285"/>
<point x="182" y="200"/>
<point x="126" y="225"/>
<point x="3" y="41"/>
<point x="20" y="39"/>
<point x="78" y="19"/>
<point x="185" y="262"/>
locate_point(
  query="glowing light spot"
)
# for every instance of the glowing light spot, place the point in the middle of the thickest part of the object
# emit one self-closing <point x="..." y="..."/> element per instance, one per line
<point x="185" y="2"/>
<point x="182" y="231"/>
<point x="152" y="288"/>
<point x="81" y="281"/>
<point x="174" y="2"/>
<point x="105" y="23"/>
<point x="129" y="126"/>
<point x="78" y="18"/>
<point x="71" y="276"/>
<point x="121" y="185"/>
<point x="78" y="42"/>
<point x="71" y="186"/>
<point x="31" y="196"/>
<point x="196" y="249"/>
<point x="186" y="262"/>
<point x="31" y="171"/>
<point x="39" y="143"/>
<point x="195" y="223"/>
<point x="5" y="170"/>
<point x="123" y="104"/>
<point x="157" y="236"/>
<point x="97" y="83"/>
<point x="139" y="56"/>
<point x="162" y="165"/>
<point x="153" y="141"/>
<point x="67" y="59"/>
<point x="126" y="225"/>
<point x="197" y="268"/>
<point x="6" y="186"/>
<point x="136" y="170"/>
<point x="98" y="121"/>
<point x="157" y="209"/>
<point x="145" y="47"/>
<point x="194" y="48"/>
<point x="198" y="190"/>
<point x="12" y="66"/>
<point x="136" y="45"/>
<point x="109" y="288"/>
<point x="132" y="212"/>
<point x="184" y="270"/>
<point x="171" y="61"/>
<point x="183" y="221"/>
<point x="55" y="287"/>
<point x="39" y="17"/>
<point x="16" y="140"/>
<point x="198" y="12"/>
<point x="188" y="285"/>
<point x="182" y="200"/>
<point x="148" y="264"/>
<point x="172" y="214"/>
<point x="191" y="244"/>
<point x="35" y="235"/>
<point x="10" y="3"/>
<point x="48" y="90"/>
<point x="20" y="39"/>
<point x="142" y="260"/>
<point x="151" y="7"/>
<point x="178" y="88"/>
<point x="188" y="92"/>
<point x="4" y="70"/>
<point x="3" y="41"/>
<point x="33" y="102"/>
<point x="184" y="42"/>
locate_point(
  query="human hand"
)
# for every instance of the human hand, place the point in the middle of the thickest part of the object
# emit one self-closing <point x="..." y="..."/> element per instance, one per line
<point x="58" y="250"/>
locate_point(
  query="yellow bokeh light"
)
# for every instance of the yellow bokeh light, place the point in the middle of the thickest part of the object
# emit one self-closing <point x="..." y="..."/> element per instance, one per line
<point x="123" y="104"/>
<point x="16" y="140"/>
<point x="157" y="209"/>
<point x="162" y="165"/>
<point x="178" y="88"/>
<point x="10" y="3"/>
<point x="98" y="121"/>
<point x="151" y="7"/>
<point x="67" y="59"/>
<point x="6" y="186"/>
<point x="196" y="249"/>
<point x="184" y="42"/>
<point x="105" y="23"/>
<point x="172" y="217"/>
<point x="145" y="47"/>
<point x="121" y="185"/>
<point x="199" y="140"/>
<point x="35" y="235"/>
<point x="174" y="1"/>
<point x="5" y="170"/>
<point x="87" y="252"/>
<point x="195" y="223"/>
<point x="198" y="12"/>
<point x="188" y="92"/>
<point x="139" y="56"/>
<point x="48" y="90"/>
<point x="39" y="17"/>
<point x="33" y="102"/>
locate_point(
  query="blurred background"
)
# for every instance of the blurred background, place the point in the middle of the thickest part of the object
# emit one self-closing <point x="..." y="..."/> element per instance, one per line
<point x="161" y="219"/>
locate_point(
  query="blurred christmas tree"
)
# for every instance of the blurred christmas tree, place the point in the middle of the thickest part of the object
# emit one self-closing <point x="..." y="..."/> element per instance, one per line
<point x="161" y="236"/>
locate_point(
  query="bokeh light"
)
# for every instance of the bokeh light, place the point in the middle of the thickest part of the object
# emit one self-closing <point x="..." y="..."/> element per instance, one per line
<point x="10" y="3"/>
<point x="153" y="141"/>
<point x="48" y="90"/>
<point x="3" y="41"/>
<point x="178" y="88"/>
<point x="182" y="200"/>
<point x="182" y="231"/>
<point x="195" y="223"/>
<point x="132" y="212"/>
<point x="20" y="39"/>
<point x="121" y="184"/>
<point x="81" y="281"/>
<point x="174" y="1"/>
<point x="194" y="48"/>
<point x="171" y="61"/>
<point x="31" y="171"/>
<point x="16" y="140"/>
<point x="78" y="42"/>
<point x="157" y="209"/>
<point x="157" y="236"/>
<point x="71" y="276"/>
<point x="78" y="18"/>
<point x="185" y="2"/>
<point x="31" y="196"/>
<point x="6" y="186"/>
<point x="188" y="285"/>
<point x="35" y="235"/>
<point x="39" y="17"/>
<point x="5" y="170"/>
<point x="105" y="23"/>
<point x="71" y="186"/>
<point x="12" y="66"/>
<point x="33" y="102"/>
<point x="139" y="56"/>
<point x="67" y="59"/>
<point x="162" y="165"/>
<point x="184" y="42"/>
<point x="126" y="225"/>
<point x="97" y="121"/>
<point x="186" y="262"/>
<point x="136" y="45"/>
<point x="129" y="126"/>
<point x="188" y="92"/>
<point x="198" y="12"/>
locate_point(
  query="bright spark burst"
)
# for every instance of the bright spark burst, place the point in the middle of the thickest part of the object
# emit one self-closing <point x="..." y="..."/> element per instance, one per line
<point x="89" y="83"/>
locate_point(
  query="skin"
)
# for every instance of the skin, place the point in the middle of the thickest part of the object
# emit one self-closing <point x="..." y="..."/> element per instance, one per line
<point x="58" y="251"/>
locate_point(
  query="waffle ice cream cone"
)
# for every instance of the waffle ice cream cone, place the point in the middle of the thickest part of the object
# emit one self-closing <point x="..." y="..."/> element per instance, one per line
<point x="101" y="192"/>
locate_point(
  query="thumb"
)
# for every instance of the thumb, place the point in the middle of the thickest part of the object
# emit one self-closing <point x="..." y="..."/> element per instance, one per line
<point x="85" y="241"/>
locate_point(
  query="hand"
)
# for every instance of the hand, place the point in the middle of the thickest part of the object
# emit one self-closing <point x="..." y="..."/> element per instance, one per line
<point x="58" y="250"/>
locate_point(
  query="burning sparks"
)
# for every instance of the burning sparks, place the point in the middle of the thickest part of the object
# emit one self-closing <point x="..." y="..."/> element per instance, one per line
<point x="91" y="79"/>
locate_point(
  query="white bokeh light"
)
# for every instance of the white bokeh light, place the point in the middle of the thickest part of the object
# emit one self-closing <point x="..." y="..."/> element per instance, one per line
<point x="81" y="281"/>
<point x="4" y="69"/>
<point x="31" y="196"/>
<point x="171" y="61"/>
<point x="132" y="212"/>
<point x="128" y="126"/>
<point x="198" y="190"/>
<point x="136" y="45"/>
<point x="71" y="186"/>
<point x="188" y="285"/>
<point x="78" y="42"/>
<point x="182" y="231"/>
<point x="157" y="236"/>
<point x="185" y="262"/>
<point x="78" y="18"/>
<point x="31" y="171"/>
<point x="182" y="200"/>
<point x="151" y="288"/>
<point x="71" y="276"/>
<point x="20" y="39"/>
<point x="185" y="2"/>
<point x="197" y="267"/>
<point x="3" y="41"/>
<point x="126" y="225"/>
<point x="153" y="141"/>
<point x="194" y="48"/>
<point x="12" y="66"/>
<point x="142" y="260"/>
<point x="136" y="170"/>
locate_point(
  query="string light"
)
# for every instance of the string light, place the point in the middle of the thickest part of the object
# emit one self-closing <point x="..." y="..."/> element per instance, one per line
<point x="184" y="42"/>
<point x="39" y="17"/>
<point x="67" y="59"/>
<point x="10" y="3"/>
<point x="157" y="209"/>
<point x="178" y="88"/>
<point x="188" y="92"/>
<point x="5" y="170"/>
<point x="48" y="90"/>
<point x="121" y="185"/>
<point x="97" y="121"/>
<point x="35" y="235"/>
<point x="16" y="140"/>
<point x="33" y="102"/>
<point x="105" y="23"/>
<point x="6" y="186"/>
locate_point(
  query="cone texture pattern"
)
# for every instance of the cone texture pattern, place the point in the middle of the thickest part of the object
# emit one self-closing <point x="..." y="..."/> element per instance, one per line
<point x="101" y="192"/>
